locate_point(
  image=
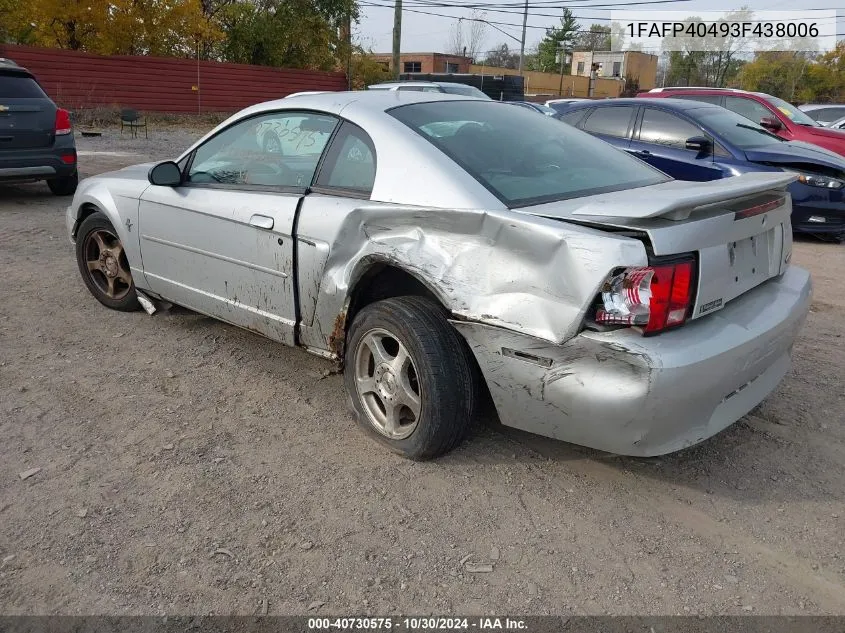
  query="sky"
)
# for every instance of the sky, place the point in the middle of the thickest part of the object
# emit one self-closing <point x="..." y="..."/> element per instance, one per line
<point x="427" y="33"/>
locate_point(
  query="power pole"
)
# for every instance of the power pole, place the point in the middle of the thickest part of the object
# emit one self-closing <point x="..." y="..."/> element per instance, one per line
<point x="348" y="27"/>
<point x="397" y="36"/>
<point x="522" y="42"/>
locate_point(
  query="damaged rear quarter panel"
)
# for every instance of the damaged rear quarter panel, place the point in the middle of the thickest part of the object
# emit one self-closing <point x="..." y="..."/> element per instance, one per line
<point x="528" y="274"/>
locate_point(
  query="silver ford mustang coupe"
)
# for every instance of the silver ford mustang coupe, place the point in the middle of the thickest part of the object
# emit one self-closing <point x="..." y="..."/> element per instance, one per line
<point x="452" y="252"/>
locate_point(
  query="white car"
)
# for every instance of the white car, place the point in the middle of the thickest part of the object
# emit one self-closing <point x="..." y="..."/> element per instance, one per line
<point x="824" y="113"/>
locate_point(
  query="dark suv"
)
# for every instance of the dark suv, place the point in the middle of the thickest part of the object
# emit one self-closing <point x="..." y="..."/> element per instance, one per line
<point x="36" y="137"/>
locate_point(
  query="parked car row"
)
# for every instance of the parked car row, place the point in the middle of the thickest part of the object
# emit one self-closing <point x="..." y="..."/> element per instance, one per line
<point x="701" y="134"/>
<point x="696" y="141"/>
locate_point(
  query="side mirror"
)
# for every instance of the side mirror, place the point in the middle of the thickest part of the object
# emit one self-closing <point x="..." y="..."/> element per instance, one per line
<point x="700" y="144"/>
<point x="166" y="174"/>
<point x="771" y="123"/>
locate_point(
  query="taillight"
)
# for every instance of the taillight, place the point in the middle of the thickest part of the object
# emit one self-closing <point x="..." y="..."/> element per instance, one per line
<point x="63" y="125"/>
<point x="654" y="298"/>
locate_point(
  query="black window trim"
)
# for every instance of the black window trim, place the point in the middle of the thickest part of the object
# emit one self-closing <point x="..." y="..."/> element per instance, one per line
<point x="337" y="139"/>
<point x="284" y="189"/>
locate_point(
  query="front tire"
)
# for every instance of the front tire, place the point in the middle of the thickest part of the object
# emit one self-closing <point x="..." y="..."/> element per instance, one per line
<point x="103" y="264"/>
<point x="64" y="186"/>
<point x="409" y="376"/>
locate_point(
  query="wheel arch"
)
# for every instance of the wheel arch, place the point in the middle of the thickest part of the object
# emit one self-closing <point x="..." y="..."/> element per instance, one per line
<point x="376" y="279"/>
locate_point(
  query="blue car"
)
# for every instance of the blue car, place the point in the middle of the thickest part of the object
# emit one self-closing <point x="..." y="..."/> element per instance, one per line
<point x="692" y="140"/>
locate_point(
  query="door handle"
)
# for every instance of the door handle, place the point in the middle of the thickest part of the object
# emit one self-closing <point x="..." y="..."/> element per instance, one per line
<point x="261" y="221"/>
<point x="643" y="152"/>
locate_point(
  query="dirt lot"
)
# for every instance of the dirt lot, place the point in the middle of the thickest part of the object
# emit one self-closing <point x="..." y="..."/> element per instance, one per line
<point x="190" y="467"/>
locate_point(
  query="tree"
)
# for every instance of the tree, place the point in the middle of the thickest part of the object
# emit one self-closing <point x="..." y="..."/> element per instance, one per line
<point x="291" y="33"/>
<point x="365" y="70"/>
<point x="502" y="57"/>
<point x="143" y="27"/>
<point x="708" y="61"/>
<point x="556" y="41"/>
<point x="596" y="39"/>
<point x="467" y="39"/>
<point x="775" y="72"/>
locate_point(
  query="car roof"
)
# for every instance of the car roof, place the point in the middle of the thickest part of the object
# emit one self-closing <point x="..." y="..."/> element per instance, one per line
<point x="10" y="66"/>
<point x="675" y="104"/>
<point x="705" y="90"/>
<point x="334" y="102"/>
<point x="808" y="107"/>
<point x="671" y="89"/>
<point x="390" y="84"/>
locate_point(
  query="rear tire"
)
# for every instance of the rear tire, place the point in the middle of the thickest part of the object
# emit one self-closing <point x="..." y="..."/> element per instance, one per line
<point x="410" y="377"/>
<point x="64" y="186"/>
<point x="103" y="264"/>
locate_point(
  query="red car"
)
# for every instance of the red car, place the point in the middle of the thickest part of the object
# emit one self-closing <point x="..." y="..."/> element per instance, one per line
<point x="776" y="115"/>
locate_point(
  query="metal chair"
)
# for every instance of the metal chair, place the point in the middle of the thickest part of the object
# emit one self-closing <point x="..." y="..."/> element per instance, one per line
<point x="133" y="120"/>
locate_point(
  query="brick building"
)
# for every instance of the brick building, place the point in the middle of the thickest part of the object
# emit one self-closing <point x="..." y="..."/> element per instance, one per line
<point x="426" y="62"/>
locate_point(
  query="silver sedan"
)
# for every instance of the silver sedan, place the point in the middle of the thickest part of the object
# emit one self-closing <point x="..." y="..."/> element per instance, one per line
<point x="449" y="252"/>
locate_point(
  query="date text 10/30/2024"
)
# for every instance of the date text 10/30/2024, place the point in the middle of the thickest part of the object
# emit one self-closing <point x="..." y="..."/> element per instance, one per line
<point x="416" y="624"/>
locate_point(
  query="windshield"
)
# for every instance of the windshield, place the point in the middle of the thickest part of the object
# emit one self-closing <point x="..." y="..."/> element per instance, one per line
<point x="791" y="112"/>
<point x="466" y="91"/>
<point x="522" y="158"/>
<point x="736" y="129"/>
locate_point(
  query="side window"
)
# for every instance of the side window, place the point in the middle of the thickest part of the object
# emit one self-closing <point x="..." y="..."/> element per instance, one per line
<point x="574" y="118"/>
<point x="279" y="149"/>
<point x="714" y="99"/>
<point x="748" y="108"/>
<point x="612" y="121"/>
<point x="664" y="128"/>
<point x="827" y="114"/>
<point x="351" y="161"/>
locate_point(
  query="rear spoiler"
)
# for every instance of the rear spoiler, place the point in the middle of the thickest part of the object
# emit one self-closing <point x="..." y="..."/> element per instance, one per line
<point x="677" y="199"/>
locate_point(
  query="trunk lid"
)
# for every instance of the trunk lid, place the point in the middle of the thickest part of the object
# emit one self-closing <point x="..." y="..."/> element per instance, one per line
<point x="739" y="228"/>
<point x="27" y="115"/>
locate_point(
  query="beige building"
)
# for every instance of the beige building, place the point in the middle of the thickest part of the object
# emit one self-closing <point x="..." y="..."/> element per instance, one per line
<point x="617" y="65"/>
<point x="426" y="62"/>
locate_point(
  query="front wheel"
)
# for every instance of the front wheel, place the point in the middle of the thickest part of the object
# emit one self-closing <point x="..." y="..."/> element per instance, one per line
<point x="104" y="265"/>
<point x="409" y="376"/>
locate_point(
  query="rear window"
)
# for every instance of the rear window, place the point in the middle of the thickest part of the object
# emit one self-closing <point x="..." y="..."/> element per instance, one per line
<point x="15" y="86"/>
<point x="522" y="158"/>
<point x="466" y="91"/>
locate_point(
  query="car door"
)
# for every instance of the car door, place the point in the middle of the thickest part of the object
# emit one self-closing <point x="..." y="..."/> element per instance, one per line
<point x="221" y="242"/>
<point x="611" y="123"/>
<point x="344" y="183"/>
<point x="660" y="140"/>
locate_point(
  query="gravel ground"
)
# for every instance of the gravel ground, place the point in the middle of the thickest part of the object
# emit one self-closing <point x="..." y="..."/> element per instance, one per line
<point x="189" y="467"/>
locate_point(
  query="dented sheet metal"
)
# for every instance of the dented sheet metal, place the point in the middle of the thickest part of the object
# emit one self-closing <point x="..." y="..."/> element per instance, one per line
<point x="623" y="393"/>
<point x="532" y="275"/>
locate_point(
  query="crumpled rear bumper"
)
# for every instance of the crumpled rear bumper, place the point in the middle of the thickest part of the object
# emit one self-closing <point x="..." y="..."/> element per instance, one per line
<point x="628" y="394"/>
